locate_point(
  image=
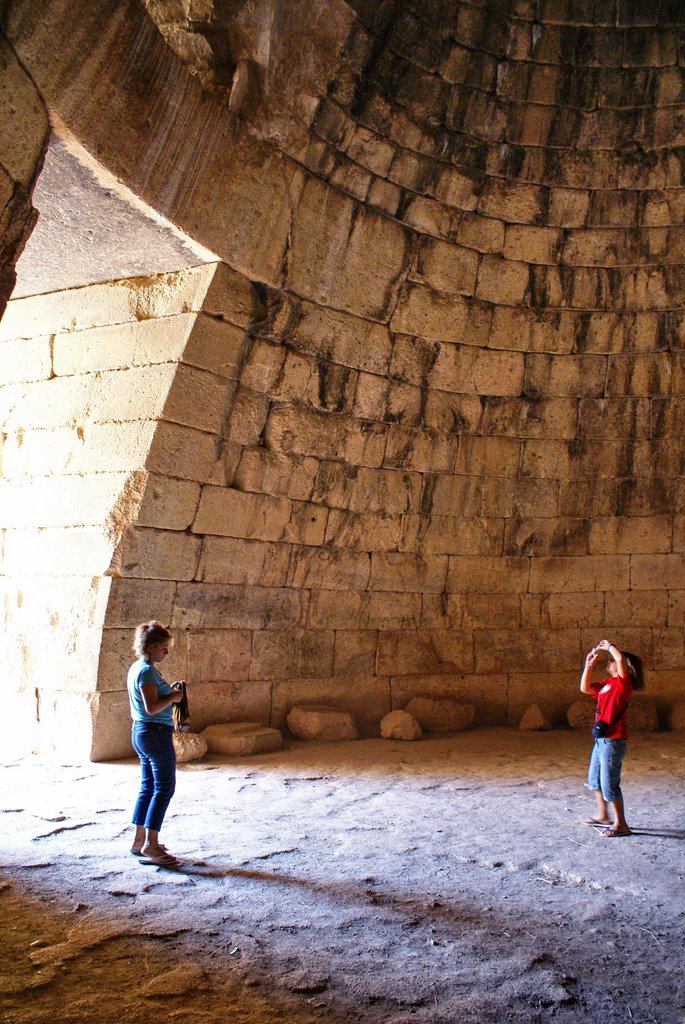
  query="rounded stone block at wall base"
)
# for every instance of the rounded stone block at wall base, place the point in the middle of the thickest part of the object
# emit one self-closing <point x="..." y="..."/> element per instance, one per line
<point x="534" y="720"/>
<point x="438" y="714"/>
<point x="400" y="725"/>
<point x="642" y="714"/>
<point x="676" y="717"/>
<point x="189" y="746"/>
<point x="321" y="722"/>
<point x="240" y="738"/>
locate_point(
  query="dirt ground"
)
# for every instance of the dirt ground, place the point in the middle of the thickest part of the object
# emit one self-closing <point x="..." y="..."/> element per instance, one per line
<point x="446" y="880"/>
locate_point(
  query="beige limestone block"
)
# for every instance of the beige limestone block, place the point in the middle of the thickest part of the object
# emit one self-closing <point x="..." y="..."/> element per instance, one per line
<point x="26" y="360"/>
<point x="333" y="609"/>
<point x="386" y="491"/>
<point x="502" y="281"/>
<point x="534" y="720"/>
<point x="295" y="431"/>
<point x="189" y="746"/>
<point x="460" y="414"/>
<point x="449" y="268"/>
<point x="523" y="498"/>
<point x="429" y="652"/>
<point x="133" y="601"/>
<point x="552" y="692"/>
<point x="371" y="397"/>
<point x="488" y="456"/>
<point x="669" y="647"/>
<point x="488" y="575"/>
<point x="109" y="728"/>
<point x="531" y="244"/>
<point x="587" y="498"/>
<point x="219" y="654"/>
<point x="537" y="649"/>
<point x="182" y="452"/>
<point x="676" y="607"/>
<point x="637" y="535"/>
<point x="346" y="340"/>
<point x="535" y="536"/>
<point x="168" y="503"/>
<point x="307" y="524"/>
<point x="76" y="601"/>
<point x="263" y="365"/>
<point x="232" y="513"/>
<point x="430" y="314"/>
<point x="565" y="376"/>
<point x="197" y="399"/>
<point x="272" y="473"/>
<point x="231" y="296"/>
<point x="233" y="560"/>
<point x="440" y="714"/>
<point x="454" y="496"/>
<point x="248" y="413"/>
<point x="400" y="725"/>
<point x="568" y="207"/>
<point x="483" y="371"/>
<point x="653" y="571"/>
<point x="642" y="714"/>
<point x="578" y="574"/>
<point x="321" y="722"/>
<point x="385" y="195"/>
<point x="486" y="694"/>
<point x="407" y="571"/>
<point x="370" y="150"/>
<point x="122" y="345"/>
<point x="657" y="373"/>
<point x="350" y="178"/>
<point x="221" y="701"/>
<point x="344" y="255"/>
<point x="365" y="698"/>
<point x="355" y="652"/>
<point x="210" y="605"/>
<point x="237" y="739"/>
<point x="413" y="359"/>
<point x="53" y="552"/>
<point x="554" y="460"/>
<point x="676" y="717"/>
<point x="582" y="610"/>
<point x="329" y="568"/>
<point x="156" y="554"/>
<point x="420" y="450"/>
<point x="216" y="346"/>
<point x="531" y="418"/>
<point x="404" y="406"/>
<point x="363" y="532"/>
<point x="484" y="234"/>
<point x="82" y="448"/>
<point x="453" y="535"/>
<point x="638" y="607"/>
<point x="291" y="654"/>
<point x="428" y="216"/>
<point x="581" y="714"/>
<point x="455" y="188"/>
<point x="70" y="501"/>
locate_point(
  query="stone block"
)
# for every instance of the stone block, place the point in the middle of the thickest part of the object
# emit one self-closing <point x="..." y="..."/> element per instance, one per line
<point x="560" y="376"/>
<point x="640" y="608"/>
<point x="27" y="360"/>
<point x="531" y="417"/>
<point x="23" y="119"/>
<point x="333" y="609"/>
<point x="484" y="234"/>
<point x="552" y="692"/>
<point x="483" y="371"/>
<point x="530" y="244"/>
<point x="454" y="496"/>
<point x="407" y="572"/>
<point x="579" y="610"/>
<point x="240" y="739"/>
<point x="635" y="535"/>
<point x="291" y="654"/>
<point x="268" y="472"/>
<point x="332" y="568"/>
<point x="168" y="503"/>
<point x="363" y="532"/>
<point x="428" y="216"/>
<point x="578" y="574"/>
<point x="533" y="536"/>
<point x="344" y="255"/>
<point x="371" y="397"/>
<point x="643" y="715"/>
<point x="425" y="652"/>
<point x="581" y="714"/>
<point x="232" y="513"/>
<point x="472" y="575"/>
<point x="430" y="314"/>
<point x="365" y="698"/>
<point x="676" y="716"/>
<point x="219" y="654"/>
<point x="650" y="572"/>
<point x="449" y="268"/>
<point x="221" y="700"/>
<point x="156" y="554"/>
<point x="355" y="652"/>
<point x="235" y="560"/>
<point x="118" y="346"/>
<point x="307" y="524"/>
<point x="420" y="450"/>
<point x="502" y="281"/>
<point x="400" y="725"/>
<point x="346" y="340"/>
<point x="385" y="195"/>
<point x="211" y="606"/>
<point x="182" y="452"/>
<point x="216" y="346"/>
<point x="296" y="431"/>
<point x="531" y="649"/>
<point x="452" y="535"/>
<point x="488" y="456"/>
<point x="198" y="399"/>
<point x="189" y="746"/>
<point x="534" y="720"/>
<point x="436" y="714"/>
<point x="321" y="722"/>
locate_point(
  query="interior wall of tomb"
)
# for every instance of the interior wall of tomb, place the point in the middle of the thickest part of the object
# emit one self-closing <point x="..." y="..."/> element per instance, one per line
<point x="419" y="429"/>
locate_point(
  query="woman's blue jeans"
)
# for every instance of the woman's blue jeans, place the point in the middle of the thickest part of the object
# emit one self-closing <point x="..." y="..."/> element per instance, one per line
<point x="154" y="746"/>
<point x="605" y="768"/>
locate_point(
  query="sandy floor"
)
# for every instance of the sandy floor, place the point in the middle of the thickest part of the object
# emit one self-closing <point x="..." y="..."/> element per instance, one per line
<point x="440" y="881"/>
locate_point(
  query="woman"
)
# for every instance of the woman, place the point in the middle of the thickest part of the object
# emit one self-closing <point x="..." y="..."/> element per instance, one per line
<point x="151" y="700"/>
<point x="611" y="733"/>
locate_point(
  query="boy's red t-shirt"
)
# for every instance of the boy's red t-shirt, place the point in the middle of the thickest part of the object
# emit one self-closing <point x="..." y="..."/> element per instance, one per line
<point x="612" y="697"/>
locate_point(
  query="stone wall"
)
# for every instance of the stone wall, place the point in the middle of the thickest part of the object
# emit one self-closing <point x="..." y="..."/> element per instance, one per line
<point x="450" y="458"/>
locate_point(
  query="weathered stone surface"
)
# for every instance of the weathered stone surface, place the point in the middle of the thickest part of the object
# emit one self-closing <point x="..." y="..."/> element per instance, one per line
<point x="189" y="746"/>
<point x="437" y="714"/>
<point x="237" y="739"/>
<point x="400" y="725"/>
<point x="581" y="714"/>
<point x="534" y="720"/>
<point x="642" y="714"/>
<point x="676" y="717"/>
<point x="321" y="722"/>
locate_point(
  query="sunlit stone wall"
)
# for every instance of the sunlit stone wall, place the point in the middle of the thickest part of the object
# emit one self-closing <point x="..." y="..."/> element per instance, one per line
<point x="452" y="452"/>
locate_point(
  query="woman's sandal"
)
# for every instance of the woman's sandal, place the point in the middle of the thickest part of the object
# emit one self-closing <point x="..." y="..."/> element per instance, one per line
<point x="163" y="860"/>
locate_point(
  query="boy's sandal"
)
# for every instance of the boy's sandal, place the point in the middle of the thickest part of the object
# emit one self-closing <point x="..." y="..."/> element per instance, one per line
<point x="614" y="833"/>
